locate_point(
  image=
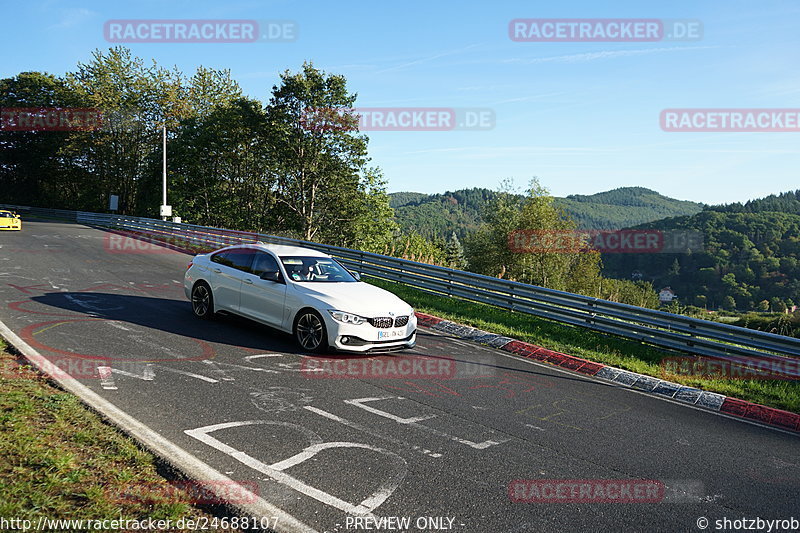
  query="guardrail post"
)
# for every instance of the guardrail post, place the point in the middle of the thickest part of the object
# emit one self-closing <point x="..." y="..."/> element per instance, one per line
<point x="450" y="284"/>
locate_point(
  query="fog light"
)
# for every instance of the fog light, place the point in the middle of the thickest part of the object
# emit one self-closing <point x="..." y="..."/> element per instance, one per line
<point x="345" y="339"/>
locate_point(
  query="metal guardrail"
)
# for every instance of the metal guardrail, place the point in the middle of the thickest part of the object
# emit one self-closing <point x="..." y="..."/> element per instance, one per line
<point x="677" y="332"/>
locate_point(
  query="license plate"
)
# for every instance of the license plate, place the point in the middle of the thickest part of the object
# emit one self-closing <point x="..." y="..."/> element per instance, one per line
<point x="390" y="334"/>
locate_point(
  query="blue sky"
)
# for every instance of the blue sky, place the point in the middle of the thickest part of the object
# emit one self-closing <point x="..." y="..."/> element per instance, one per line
<point x="583" y="117"/>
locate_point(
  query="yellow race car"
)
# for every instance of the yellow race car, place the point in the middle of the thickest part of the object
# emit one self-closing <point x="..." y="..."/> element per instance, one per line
<point x="9" y="221"/>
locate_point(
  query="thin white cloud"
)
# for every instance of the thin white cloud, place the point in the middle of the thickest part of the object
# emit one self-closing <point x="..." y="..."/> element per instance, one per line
<point x="426" y="59"/>
<point x="73" y="17"/>
<point x="603" y="54"/>
<point x="527" y="98"/>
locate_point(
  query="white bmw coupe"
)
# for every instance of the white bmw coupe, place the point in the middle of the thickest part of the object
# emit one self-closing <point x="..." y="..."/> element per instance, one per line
<point x="303" y="292"/>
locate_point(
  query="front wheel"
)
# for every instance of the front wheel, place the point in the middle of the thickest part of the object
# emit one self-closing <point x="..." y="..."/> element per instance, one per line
<point x="202" y="301"/>
<point x="310" y="332"/>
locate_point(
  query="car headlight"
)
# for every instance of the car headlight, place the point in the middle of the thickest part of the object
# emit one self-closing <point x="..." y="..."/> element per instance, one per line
<point x="347" y="318"/>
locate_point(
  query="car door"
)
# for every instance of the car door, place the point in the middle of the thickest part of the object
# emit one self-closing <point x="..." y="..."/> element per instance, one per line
<point x="263" y="300"/>
<point x="229" y="268"/>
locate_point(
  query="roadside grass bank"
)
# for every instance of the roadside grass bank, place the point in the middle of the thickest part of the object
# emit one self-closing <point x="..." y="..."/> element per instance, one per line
<point x="613" y="351"/>
<point x="59" y="460"/>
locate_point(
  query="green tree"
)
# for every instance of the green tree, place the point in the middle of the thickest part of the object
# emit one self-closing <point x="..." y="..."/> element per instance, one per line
<point x="319" y="172"/>
<point x="220" y="168"/>
<point x="728" y="303"/>
<point x="777" y="305"/>
<point x="372" y="224"/>
<point x="42" y="168"/>
<point x="490" y="252"/>
<point x="136" y="100"/>
<point x="454" y="253"/>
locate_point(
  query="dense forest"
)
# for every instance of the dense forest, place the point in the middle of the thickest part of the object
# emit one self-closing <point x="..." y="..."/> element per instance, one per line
<point x="439" y="215"/>
<point x="233" y="161"/>
<point x="750" y="259"/>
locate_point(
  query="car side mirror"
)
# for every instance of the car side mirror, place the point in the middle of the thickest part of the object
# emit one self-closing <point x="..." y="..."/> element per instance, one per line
<point x="271" y="275"/>
<point x="356" y="275"/>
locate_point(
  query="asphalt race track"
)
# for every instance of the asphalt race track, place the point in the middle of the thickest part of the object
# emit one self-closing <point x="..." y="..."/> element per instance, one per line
<point x="440" y="449"/>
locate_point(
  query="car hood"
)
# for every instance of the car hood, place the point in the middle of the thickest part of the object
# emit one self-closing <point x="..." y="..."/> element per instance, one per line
<point x="358" y="298"/>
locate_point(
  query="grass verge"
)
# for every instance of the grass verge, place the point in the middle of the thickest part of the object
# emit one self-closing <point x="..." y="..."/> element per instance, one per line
<point x="59" y="460"/>
<point x="606" y="349"/>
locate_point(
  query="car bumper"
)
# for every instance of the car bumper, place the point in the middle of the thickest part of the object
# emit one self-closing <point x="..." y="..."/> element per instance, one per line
<point x="367" y="338"/>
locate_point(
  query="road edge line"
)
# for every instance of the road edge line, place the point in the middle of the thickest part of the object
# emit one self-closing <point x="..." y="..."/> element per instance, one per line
<point x="172" y="454"/>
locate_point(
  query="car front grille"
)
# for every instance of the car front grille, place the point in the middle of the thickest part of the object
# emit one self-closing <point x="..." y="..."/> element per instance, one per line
<point x="381" y="321"/>
<point x="388" y="322"/>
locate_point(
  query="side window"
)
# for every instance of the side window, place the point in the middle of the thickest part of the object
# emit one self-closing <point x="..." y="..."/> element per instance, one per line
<point x="238" y="258"/>
<point x="221" y="258"/>
<point x="264" y="262"/>
<point x="241" y="258"/>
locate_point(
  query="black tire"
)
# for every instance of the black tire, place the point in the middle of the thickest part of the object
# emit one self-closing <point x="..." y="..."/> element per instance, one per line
<point x="202" y="301"/>
<point x="310" y="331"/>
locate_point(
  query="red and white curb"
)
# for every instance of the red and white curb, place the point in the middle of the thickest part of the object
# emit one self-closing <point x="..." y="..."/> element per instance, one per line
<point x="708" y="400"/>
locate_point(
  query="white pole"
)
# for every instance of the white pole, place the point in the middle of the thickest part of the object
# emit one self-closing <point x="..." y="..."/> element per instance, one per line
<point x="164" y="166"/>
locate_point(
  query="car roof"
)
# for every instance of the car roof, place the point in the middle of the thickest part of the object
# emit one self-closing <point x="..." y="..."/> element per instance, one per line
<point x="283" y="250"/>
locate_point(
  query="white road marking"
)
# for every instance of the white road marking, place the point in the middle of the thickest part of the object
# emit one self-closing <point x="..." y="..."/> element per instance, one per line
<point x="360" y="401"/>
<point x="364" y="429"/>
<point x="87" y="301"/>
<point x="275" y="471"/>
<point x="147" y="376"/>
<point x="220" y="373"/>
<point x="106" y="379"/>
<point x="279" y="399"/>
<point x="477" y="445"/>
<point x="297" y="367"/>
<point x="253" y="368"/>
<point x="249" y="357"/>
<point x="190" y="374"/>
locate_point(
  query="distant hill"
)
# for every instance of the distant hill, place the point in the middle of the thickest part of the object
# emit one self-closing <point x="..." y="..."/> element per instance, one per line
<point x="751" y="254"/>
<point x="787" y="202"/>
<point x="624" y="207"/>
<point x="438" y="215"/>
<point x="397" y="199"/>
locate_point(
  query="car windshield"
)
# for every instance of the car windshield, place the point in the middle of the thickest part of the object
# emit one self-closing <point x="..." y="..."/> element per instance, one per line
<point x="315" y="269"/>
<point x="5" y="214"/>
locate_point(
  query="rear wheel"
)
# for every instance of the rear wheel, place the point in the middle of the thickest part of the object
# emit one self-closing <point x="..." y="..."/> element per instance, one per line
<point x="202" y="301"/>
<point x="310" y="332"/>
